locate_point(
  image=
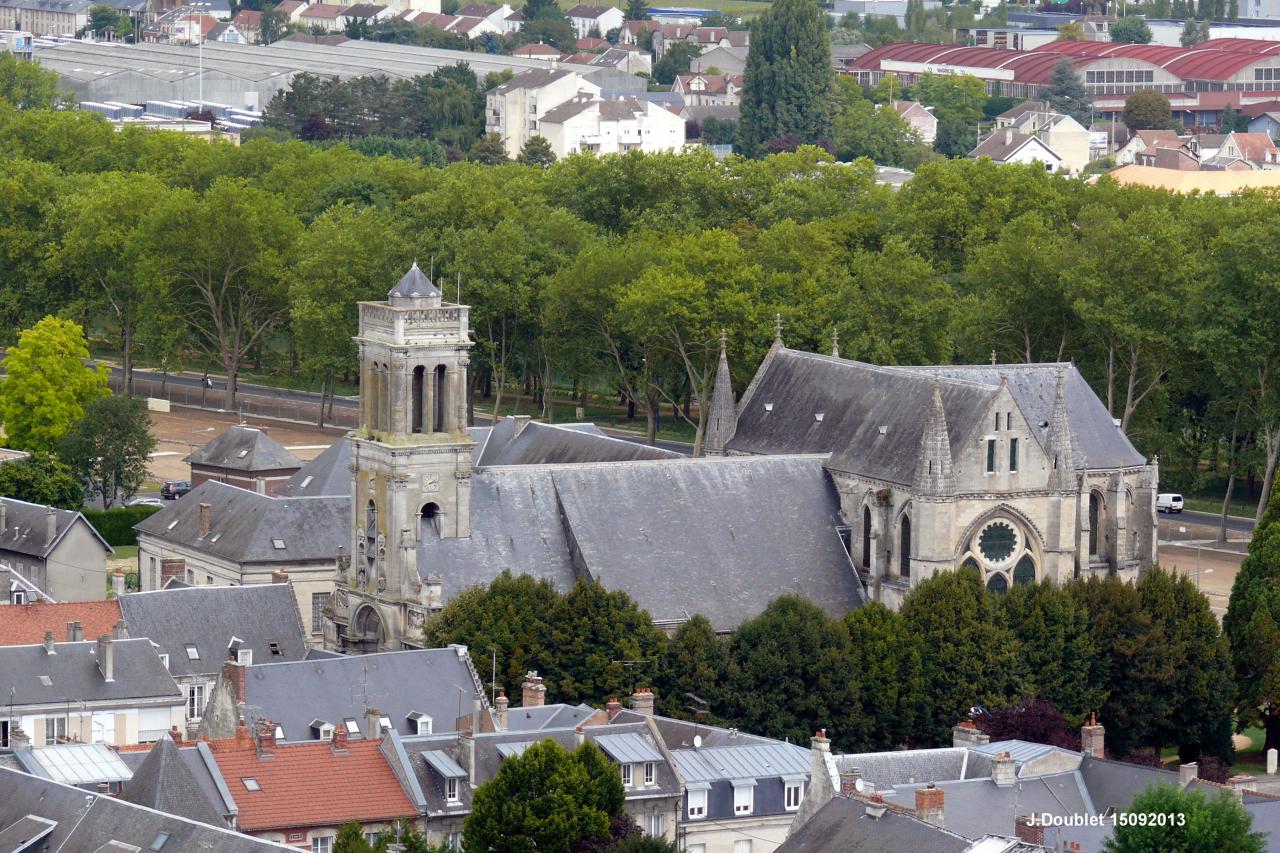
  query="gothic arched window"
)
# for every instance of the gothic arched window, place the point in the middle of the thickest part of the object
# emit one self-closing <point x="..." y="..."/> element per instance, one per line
<point x="996" y="583"/>
<point x="1095" y="517"/>
<point x="904" y="547"/>
<point x="866" y="537"/>
<point x="1025" y="571"/>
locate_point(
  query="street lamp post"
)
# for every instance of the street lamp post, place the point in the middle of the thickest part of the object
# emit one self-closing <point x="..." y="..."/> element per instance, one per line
<point x="191" y="438"/>
<point x="198" y="6"/>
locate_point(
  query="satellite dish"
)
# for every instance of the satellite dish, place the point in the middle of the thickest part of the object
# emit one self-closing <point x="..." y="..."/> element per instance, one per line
<point x="697" y="741"/>
<point x="859" y="786"/>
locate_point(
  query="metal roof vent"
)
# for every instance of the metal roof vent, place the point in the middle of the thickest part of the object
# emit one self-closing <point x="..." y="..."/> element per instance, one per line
<point x="818" y="416"/>
<point x="884" y="430"/>
<point x="768" y="407"/>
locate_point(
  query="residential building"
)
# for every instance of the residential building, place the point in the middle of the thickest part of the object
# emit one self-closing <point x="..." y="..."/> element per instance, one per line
<point x="25" y="624"/>
<point x="625" y="60"/>
<point x="39" y="814"/>
<point x="514" y="110"/>
<point x="594" y="21"/>
<point x="1258" y="150"/>
<point x="706" y="38"/>
<point x="598" y="126"/>
<point x="292" y="8"/>
<point x="243" y="456"/>
<point x="59" y="17"/>
<point x="919" y="118"/>
<point x="16" y="589"/>
<point x="365" y="13"/>
<point x="1063" y="135"/>
<point x="326" y="16"/>
<point x="721" y="59"/>
<point x="56" y="550"/>
<point x="495" y="16"/>
<point x="1145" y="142"/>
<point x="85" y="765"/>
<point x="198" y="629"/>
<point x="114" y="691"/>
<point x="248" y="22"/>
<point x="707" y="90"/>
<point x="537" y="51"/>
<point x="637" y="32"/>
<point x="412" y="692"/>
<point x="1222" y="183"/>
<point x="1011" y="146"/>
<point x="227" y="33"/>
<point x="226" y="536"/>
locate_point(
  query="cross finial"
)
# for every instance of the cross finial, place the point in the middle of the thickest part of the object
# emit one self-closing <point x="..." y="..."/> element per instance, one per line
<point x="777" y="328"/>
<point x="724" y="340"/>
<point x="835" y="343"/>
<point x="993" y="358"/>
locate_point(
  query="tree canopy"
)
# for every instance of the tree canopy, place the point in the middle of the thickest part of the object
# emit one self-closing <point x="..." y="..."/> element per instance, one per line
<point x="1131" y="29"/>
<point x="1147" y="109"/>
<point x="788" y="76"/>
<point x="1195" y="822"/>
<point x="48" y="384"/>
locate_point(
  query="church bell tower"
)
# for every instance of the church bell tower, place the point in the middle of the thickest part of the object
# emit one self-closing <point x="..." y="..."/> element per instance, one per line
<point x="410" y="460"/>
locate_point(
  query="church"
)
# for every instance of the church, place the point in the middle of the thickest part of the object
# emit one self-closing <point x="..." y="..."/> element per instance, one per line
<point x="833" y="479"/>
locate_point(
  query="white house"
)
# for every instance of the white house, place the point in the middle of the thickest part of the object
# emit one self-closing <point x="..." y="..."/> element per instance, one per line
<point x="515" y="109"/>
<point x="1010" y="146"/>
<point x="603" y="127"/>
<point x="594" y="20"/>
<point x="919" y="118"/>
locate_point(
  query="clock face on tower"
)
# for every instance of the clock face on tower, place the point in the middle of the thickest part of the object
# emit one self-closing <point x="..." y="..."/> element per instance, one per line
<point x="430" y="482"/>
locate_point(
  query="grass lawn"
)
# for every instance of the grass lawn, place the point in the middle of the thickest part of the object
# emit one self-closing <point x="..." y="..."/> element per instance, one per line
<point x="126" y="552"/>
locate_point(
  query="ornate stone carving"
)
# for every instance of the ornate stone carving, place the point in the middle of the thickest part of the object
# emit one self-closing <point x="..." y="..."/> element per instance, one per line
<point x="430" y="483"/>
<point x="462" y="476"/>
<point x="398" y="481"/>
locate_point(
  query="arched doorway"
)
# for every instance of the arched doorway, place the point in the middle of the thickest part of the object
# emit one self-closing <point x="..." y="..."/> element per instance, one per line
<point x="431" y="515"/>
<point x="367" y="631"/>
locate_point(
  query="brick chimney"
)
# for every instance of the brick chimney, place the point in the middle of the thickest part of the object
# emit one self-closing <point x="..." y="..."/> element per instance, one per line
<point x="50" y="525"/>
<point x="1188" y="773"/>
<point x="1093" y="738"/>
<point x="642" y="701"/>
<point x="613" y="707"/>
<point x="929" y="803"/>
<point x="1003" y="771"/>
<point x="849" y="781"/>
<point x="533" y="693"/>
<point x="106" y="657"/>
<point x="279" y="576"/>
<point x="1027" y="830"/>
<point x="243" y="740"/>
<point x="966" y="734"/>
<point x="175" y="735"/>
<point x="48" y="643"/>
<point x="205" y="512"/>
<point x="120" y="631"/>
<point x="172" y="567"/>
<point x="266" y="735"/>
<point x="372" y="724"/>
<point x="340" y="735"/>
<point x="500" y="706"/>
<point x="233" y="674"/>
<point x="117" y="582"/>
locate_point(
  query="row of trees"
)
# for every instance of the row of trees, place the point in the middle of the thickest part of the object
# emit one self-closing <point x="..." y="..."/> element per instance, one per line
<point x="1148" y="657"/>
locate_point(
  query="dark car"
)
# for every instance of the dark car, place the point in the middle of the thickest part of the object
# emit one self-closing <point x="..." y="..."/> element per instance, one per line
<point x="174" y="489"/>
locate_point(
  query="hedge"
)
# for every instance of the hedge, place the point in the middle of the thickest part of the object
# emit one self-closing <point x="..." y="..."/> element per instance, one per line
<point x="116" y="525"/>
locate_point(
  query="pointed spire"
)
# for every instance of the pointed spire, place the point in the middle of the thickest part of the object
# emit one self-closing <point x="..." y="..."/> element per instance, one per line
<point x="722" y="422"/>
<point x="777" y="329"/>
<point x="835" y="343"/>
<point x="933" y="471"/>
<point x="1058" y="443"/>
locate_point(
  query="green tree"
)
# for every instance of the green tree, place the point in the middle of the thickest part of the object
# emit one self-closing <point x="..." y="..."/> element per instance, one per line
<point x="1058" y="658"/>
<point x="275" y="24"/>
<point x="863" y="129"/>
<point x="1200" y="823"/>
<point x="637" y="10"/>
<point x="42" y="479"/>
<point x="27" y="86"/>
<point x="48" y="384"/>
<point x="788" y="77"/>
<point x="351" y="839"/>
<point x="548" y="26"/>
<point x="1073" y="31"/>
<point x="1131" y="29"/>
<point x="1147" y="109"/>
<point x="970" y="657"/>
<point x="887" y="663"/>
<point x="692" y="668"/>
<point x="488" y="150"/>
<point x="1067" y="93"/>
<point x="110" y="446"/>
<point x="537" y="152"/>
<point x="718" y="131"/>
<point x="545" y="799"/>
<point x="1252" y="623"/>
<point x="1233" y="121"/>
<point x="957" y="103"/>
<point x="677" y="60"/>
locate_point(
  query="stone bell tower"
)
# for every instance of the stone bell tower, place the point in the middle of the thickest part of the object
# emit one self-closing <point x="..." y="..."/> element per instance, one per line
<point x="410" y="460"/>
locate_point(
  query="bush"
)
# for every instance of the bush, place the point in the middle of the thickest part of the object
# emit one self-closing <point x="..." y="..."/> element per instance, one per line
<point x="116" y="525"/>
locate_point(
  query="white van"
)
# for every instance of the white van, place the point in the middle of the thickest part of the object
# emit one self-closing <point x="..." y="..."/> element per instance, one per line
<point x="1169" y="502"/>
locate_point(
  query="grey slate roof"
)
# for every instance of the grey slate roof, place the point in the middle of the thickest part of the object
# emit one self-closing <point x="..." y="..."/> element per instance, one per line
<point x="26" y="528"/>
<point x="535" y="78"/>
<point x="523" y="442"/>
<point x="911" y="766"/>
<point x="326" y="475"/>
<point x="547" y="717"/>
<point x="164" y="782"/>
<point x="198" y="769"/>
<point x="751" y="761"/>
<point x="679" y="734"/>
<point x="207" y="617"/>
<point x="244" y="525"/>
<point x="73" y="673"/>
<point x="342" y="688"/>
<point x="243" y="448"/>
<point x="1114" y="784"/>
<point x="412" y="285"/>
<point x="843" y="824"/>
<point x="680" y="536"/>
<point x="87" y="821"/>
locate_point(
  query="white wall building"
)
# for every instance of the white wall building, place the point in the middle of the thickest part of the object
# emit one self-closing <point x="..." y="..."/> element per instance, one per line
<point x="605" y="127"/>
<point x="515" y="109"/>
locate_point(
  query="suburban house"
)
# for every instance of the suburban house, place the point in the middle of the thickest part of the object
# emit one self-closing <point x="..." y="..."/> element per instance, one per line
<point x="1146" y="142"/>
<point x="412" y="692"/>
<point x="636" y="32"/>
<point x="198" y="629"/>
<point x="292" y="8"/>
<point x="537" y="51"/>
<point x="1011" y="146"/>
<point x="709" y="90"/>
<point x="594" y="20"/>
<point x="246" y="457"/>
<point x="514" y="110"/>
<point x="612" y="126"/>
<point x="1258" y="150"/>
<point x="38" y="814"/>
<point x="1062" y="134"/>
<point x="628" y="61"/>
<point x="706" y="38"/>
<point x="112" y="690"/>
<point x="326" y="16"/>
<point x="496" y="17"/>
<point x="919" y="118"/>
<point x="56" y="550"/>
<point x="721" y="59"/>
<point x="248" y="22"/>
<point x="226" y="536"/>
<point x="16" y="589"/>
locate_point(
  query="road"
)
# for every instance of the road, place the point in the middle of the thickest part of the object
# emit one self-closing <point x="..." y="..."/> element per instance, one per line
<point x="1236" y="523"/>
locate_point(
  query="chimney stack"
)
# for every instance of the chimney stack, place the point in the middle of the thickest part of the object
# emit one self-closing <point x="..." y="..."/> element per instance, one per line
<point x="1093" y="738"/>
<point x="613" y="707"/>
<point x="849" y="781"/>
<point x="175" y="735"/>
<point x="642" y="701"/>
<point x="48" y="643"/>
<point x="965" y="734"/>
<point x="279" y="576"/>
<point x="1003" y="772"/>
<point x="266" y="735"/>
<point x="1008" y="136"/>
<point x="120" y="632"/>
<point x="1027" y="830"/>
<point x="1188" y="773"/>
<point x="243" y="740"/>
<point x="500" y="706"/>
<point x="533" y="692"/>
<point x="372" y="724"/>
<point x="51" y="525"/>
<point x="71" y="632"/>
<point x="106" y="657"/>
<point x="79" y="631"/>
<point x="18" y="738"/>
<point x="929" y="803"/>
<point x="4" y="516"/>
<point x="117" y="582"/>
<point x="205" y="511"/>
<point x="340" y="735"/>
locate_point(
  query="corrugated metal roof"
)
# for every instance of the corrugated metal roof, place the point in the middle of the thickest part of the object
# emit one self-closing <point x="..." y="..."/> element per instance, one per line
<point x="443" y="764"/>
<point x="628" y="748"/>
<point x="762" y="761"/>
<point x="511" y="750"/>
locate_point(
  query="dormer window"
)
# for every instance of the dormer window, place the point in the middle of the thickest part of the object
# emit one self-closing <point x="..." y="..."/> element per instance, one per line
<point x="626" y="775"/>
<point x="744" y="794"/>
<point x="244" y="657"/>
<point x="418" y="721"/>
<point x="451" y="790"/>
<point x="648" y="773"/>
<point x="322" y="730"/>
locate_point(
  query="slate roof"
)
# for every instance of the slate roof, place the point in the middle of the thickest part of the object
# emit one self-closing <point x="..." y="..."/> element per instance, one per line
<point x="73" y="673"/>
<point x="752" y="761"/>
<point x="244" y="525"/>
<point x="87" y="821"/>
<point x="311" y="784"/>
<point x="679" y="734"/>
<point x="25" y="528"/>
<point x="585" y="11"/>
<point x="164" y="782"/>
<point x="533" y="79"/>
<point x="1114" y="784"/>
<point x="522" y="442"/>
<point x="243" y="448"/>
<point x="1004" y="143"/>
<point x="679" y="536"/>
<point x="207" y="617"/>
<point x="910" y="766"/>
<point x="327" y="474"/>
<point x="413" y="285"/>
<point x="547" y="717"/>
<point x="24" y="624"/>
<point x="342" y="688"/>
<point x="199" y="764"/>
<point x="843" y="824"/>
<point x="477" y="10"/>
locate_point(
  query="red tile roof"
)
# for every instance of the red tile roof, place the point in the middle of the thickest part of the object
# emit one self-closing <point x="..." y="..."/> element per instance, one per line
<point x="311" y="784"/>
<point x="25" y="624"/>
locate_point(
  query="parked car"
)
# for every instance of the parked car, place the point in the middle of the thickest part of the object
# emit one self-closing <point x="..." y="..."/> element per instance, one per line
<point x="174" y="489"/>
<point x="1169" y="502"/>
<point x="144" y="501"/>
